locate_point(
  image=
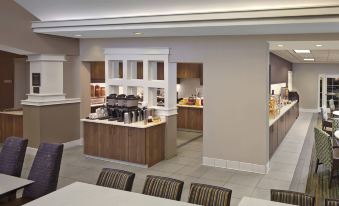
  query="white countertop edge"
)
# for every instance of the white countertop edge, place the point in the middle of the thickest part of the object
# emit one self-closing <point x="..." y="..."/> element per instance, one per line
<point x="50" y="102"/>
<point x="283" y="110"/>
<point x="134" y="125"/>
<point x="16" y="113"/>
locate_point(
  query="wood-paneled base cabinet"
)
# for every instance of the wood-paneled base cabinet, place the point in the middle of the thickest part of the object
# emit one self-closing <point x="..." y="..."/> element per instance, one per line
<point x="135" y="145"/>
<point x="10" y="125"/>
<point x="190" y="118"/>
<point x="280" y="128"/>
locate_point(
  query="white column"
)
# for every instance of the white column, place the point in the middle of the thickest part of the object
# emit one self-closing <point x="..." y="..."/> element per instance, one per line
<point x="46" y="80"/>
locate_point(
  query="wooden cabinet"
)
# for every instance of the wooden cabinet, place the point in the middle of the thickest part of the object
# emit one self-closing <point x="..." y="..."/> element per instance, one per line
<point x="190" y="118"/>
<point x="97" y="72"/>
<point x="189" y="70"/>
<point x="10" y="125"/>
<point x="280" y="128"/>
<point x="136" y="145"/>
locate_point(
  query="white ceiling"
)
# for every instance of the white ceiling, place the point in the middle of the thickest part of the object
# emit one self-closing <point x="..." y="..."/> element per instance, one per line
<point x="327" y="53"/>
<point x="52" y="10"/>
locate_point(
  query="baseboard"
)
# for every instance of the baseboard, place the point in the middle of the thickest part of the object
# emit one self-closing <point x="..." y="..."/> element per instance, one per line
<point x="236" y="165"/>
<point x="67" y="145"/>
<point x="308" y="110"/>
<point x="117" y="161"/>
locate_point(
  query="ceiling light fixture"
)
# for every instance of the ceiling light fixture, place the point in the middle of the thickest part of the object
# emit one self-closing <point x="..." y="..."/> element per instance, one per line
<point x="137" y="33"/>
<point x="309" y="59"/>
<point x="302" y="51"/>
<point x="319" y="45"/>
<point x="280" y="45"/>
<point x="78" y="35"/>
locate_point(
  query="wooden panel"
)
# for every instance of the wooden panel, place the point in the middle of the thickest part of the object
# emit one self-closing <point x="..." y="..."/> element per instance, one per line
<point x="136" y="145"/>
<point x="91" y="139"/>
<point x="188" y="70"/>
<point x="10" y="125"/>
<point x="190" y="118"/>
<point x="97" y="72"/>
<point x="201" y="75"/>
<point x="140" y="72"/>
<point x="281" y="129"/>
<point x="155" y="144"/>
<point x="273" y="138"/>
<point x="160" y="71"/>
<point x="113" y="142"/>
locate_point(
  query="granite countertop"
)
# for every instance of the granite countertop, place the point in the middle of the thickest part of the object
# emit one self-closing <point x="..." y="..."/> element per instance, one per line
<point x="283" y="110"/>
<point x="191" y="106"/>
<point x="18" y="113"/>
<point x="135" y="124"/>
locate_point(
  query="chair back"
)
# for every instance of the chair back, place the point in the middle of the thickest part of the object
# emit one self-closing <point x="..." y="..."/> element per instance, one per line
<point x="12" y="156"/>
<point x="163" y="187"/>
<point x="332" y="105"/>
<point x="207" y="195"/>
<point x="290" y="197"/>
<point x="44" y="171"/>
<point x="324" y="115"/>
<point x="323" y="147"/>
<point x="335" y="125"/>
<point x="117" y="179"/>
<point x="331" y="202"/>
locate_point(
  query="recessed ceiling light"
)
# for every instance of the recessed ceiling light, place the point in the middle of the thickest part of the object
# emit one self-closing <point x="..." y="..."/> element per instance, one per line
<point x="280" y="45"/>
<point x="78" y="35"/>
<point x="319" y="45"/>
<point x="137" y="33"/>
<point x="302" y="51"/>
<point x="309" y="59"/>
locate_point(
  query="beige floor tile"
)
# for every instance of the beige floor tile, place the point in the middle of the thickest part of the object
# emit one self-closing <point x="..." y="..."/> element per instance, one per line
<point x="165" y="166"/>
<point x="218" y="174"/>
<point x="193" y="171"/>
<point x="238" y="191"/>
<point x="246" y="179"/>
<point x="261" y="194"/>
<point x="268" y="183"/>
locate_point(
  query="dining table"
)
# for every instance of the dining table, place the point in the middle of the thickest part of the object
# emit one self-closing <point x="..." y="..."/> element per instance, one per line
<point x="336" y="113"/>
<point x="83" y="194"/>
<point x="10" y="184"/>
<point x="251" y="201"/>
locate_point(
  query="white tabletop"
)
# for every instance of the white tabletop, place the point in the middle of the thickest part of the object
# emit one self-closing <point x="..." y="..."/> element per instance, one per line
<point x="83" y="194"/>
<point x="10" y="183"/>
<point x="336" y="134"/>
<point x="250" y="201"/>
<point x="336" y="113"/>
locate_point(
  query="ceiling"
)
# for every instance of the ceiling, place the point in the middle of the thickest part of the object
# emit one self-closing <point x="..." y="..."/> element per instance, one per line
<point x="327" y="53"/>
<point x="52" y="10"/>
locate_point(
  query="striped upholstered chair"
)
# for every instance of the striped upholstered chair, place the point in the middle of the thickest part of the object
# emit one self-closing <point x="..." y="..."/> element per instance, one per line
<point x="325" y="153"/>
<point x="331" y="202"/>
<point x="163" y="187"/>
<point x="209" y="195"/>
<point x="117" y="179"/>
<point x="293" y="198"/>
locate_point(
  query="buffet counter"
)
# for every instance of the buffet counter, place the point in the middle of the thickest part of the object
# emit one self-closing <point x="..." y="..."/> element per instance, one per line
<point x="280" y="124"/>
<point x="134" y="143"/>
<point x="190" y="117"/>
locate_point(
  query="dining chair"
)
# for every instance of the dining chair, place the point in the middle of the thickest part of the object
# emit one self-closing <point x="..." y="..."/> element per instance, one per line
<point x="332" y="106"/>
<point x="326" y="121"/>
<point x="12" y="156"/>
<point x="335" y="127"/>
<point x="163" y="187"/>
<point x="208" y="195"/>
<point x="44" y="173"/>
<point x="290" y="197"/>
<point x="325" y="153"/>
<point x="331" y="202"/>
<point x="117" y="179"/>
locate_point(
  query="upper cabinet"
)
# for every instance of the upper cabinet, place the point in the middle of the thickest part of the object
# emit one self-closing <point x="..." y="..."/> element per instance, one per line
<point x="190" y="70"/>
<point x="97" y="72"/>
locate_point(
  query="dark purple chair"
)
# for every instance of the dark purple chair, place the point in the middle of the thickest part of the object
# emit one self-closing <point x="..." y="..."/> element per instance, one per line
<point x="12" y="156"/>
<point x="44" y="172"/>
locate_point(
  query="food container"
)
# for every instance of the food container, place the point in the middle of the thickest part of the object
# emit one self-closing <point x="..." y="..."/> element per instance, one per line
<point x="132" y="101"/>
<point x="121" y="100"/>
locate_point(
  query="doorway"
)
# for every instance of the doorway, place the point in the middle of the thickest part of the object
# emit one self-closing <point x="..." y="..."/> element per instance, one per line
<point x="328" y="90"/>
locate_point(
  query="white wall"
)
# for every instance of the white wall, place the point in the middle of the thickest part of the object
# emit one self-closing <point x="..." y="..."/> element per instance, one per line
<point x="235" y="121"/>
<point x="187" y="87"/>
<point x="305" y="82"/>
<point x="21" y="81"/>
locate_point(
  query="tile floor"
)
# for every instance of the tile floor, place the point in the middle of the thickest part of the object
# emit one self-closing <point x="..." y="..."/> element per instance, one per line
<point x="184" y="137"/>
<point x="187" y="166"/>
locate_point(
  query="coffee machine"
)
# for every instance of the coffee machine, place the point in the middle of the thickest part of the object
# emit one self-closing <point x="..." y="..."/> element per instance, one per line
<point x="112" y="107"/>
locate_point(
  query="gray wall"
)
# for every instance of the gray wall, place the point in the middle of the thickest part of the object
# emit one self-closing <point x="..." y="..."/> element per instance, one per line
<point x="305" y="81"/>
<point x="235" y="121"/>
<point x="188" y="87"/>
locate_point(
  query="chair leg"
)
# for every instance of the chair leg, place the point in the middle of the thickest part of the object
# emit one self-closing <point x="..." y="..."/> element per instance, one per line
<point x="331" y="177"/>
<point x="316" y="166"/>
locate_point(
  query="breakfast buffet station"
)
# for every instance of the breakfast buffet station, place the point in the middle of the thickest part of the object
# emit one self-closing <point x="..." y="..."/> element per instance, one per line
<point x="132" y="126"/>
